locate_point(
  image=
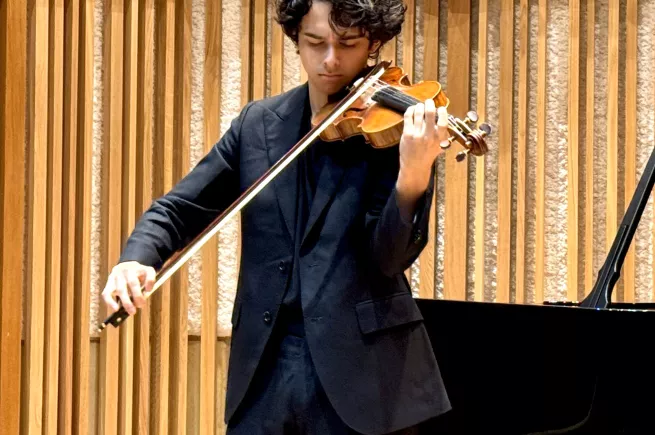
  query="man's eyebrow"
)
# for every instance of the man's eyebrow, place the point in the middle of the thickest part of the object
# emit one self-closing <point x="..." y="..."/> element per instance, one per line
<point x="343" y="38"/>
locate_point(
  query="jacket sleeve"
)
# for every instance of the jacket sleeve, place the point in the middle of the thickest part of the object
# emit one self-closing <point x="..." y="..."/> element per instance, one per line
<point x="395" y="243"/>
<point x="174" y="219"/>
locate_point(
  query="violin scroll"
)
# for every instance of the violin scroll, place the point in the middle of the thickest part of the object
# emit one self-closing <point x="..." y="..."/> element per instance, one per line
<point x="470" y="136"/>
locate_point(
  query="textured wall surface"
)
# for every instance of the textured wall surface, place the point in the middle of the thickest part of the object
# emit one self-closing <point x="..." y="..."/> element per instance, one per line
<point x="556" y="144"/>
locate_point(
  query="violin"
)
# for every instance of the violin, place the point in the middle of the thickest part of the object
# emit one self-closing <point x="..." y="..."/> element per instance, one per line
<point x="378" y="115"/>
<point x="374" y="107"/>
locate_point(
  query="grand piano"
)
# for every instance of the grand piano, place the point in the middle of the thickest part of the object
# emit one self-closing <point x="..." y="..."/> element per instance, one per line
<point x="560" y="367"/>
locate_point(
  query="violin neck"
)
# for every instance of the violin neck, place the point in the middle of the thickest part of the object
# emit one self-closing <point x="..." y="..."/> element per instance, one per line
<point x="394" y="99"/>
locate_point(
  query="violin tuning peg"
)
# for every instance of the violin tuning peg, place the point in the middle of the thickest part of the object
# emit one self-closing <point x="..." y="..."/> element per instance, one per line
<point x="486" y="129"/>
<point x="462" y="155"/>
<point x="471" y="117"/>
<point x="446" y="144"/>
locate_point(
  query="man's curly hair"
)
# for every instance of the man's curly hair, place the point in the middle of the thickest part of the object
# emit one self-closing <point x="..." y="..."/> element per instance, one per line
<point x="381" y="20"/>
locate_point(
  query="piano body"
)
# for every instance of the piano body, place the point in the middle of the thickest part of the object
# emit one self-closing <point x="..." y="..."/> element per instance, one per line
<point x="560" y="367"/>
<point x="521" y="369"/>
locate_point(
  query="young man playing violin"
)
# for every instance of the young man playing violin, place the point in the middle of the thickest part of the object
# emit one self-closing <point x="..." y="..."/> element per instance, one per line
<point x="327" y="338"/>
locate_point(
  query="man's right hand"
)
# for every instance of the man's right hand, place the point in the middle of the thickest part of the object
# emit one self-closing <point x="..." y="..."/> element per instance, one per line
<point x="126" y="281"/>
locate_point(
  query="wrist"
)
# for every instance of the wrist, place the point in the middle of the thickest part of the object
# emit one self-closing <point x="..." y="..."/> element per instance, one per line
<point x="413" y="183"/>
<point x="410" y="186"/>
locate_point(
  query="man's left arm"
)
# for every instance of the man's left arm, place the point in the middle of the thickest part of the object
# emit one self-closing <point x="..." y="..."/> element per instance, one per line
<point x="400" y="230"/>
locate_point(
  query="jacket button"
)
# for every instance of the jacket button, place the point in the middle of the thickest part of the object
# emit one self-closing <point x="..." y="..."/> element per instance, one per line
<point x="418" y="236"/>
<point x="282" y="266"/>
<point x="267" y="317"/>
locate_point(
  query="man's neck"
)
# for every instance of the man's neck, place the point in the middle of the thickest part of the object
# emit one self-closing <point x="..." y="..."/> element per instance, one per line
<point x="316" y="99"/>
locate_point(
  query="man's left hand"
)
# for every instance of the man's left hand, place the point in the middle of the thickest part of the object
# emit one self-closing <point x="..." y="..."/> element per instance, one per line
<point x="420" y="145"/>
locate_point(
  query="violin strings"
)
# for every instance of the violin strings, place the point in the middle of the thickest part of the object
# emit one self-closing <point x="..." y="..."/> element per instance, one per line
<point x="385" y="89"/>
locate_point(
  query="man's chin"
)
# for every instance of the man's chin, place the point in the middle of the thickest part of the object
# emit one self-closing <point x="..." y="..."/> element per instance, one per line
<point x="332" y="89"/>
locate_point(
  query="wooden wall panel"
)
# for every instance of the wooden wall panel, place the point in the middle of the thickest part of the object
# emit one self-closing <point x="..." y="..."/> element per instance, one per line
<point x="112" y="169"/>
<point x="522" y="140"/>
<point x="13" y="62"/>
<point x="480" y="164"/>
<point x="505" y="141"/>
<point x="409" y="37"/>
<point x="144" y="194"/>
<point x="32" y="390"/>
<point x="611" y="212"/>
<point x="128" y="210"/>
<point x="573" y="251"/>
<point x="456" y="220"/>
<point x="212" y="106"/>
<point x="277" y="59"/>
<point x="589" y="148"/>
<point x="181" y="164"/>
<point x="430" y="72"/>
<point x="259" y="50"/>
<point x="82" y="249"/>
<point x="246" y="51"/>
<point x="69" y="231"/>
<point x="388" y="51"/>
<point x="163" y="182"/>
<point x="630" y="138"/>
<point x="540" y="220"/>
<point x="54" y="214"/>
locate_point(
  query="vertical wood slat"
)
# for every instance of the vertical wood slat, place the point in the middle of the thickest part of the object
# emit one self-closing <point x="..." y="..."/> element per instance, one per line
<point x="277" y="59"/>
<point x="128" y="209"/>
<point x="112" y="167"/>
<point x="222" y="361"/>
<point x="630" y="138"/>
<point x="612" y="123"/>
<point x="430" y="72"/>
<point x="179" y="288"/>
<point x="589" y="149"/>
<point x="573" y="150"/>
<point x="163" y="182"/>
<point x="456" y="220"/>
<point x="70" y="150"/>
<point x="388" y="50"/>
<point x="54" y="215"/>
<point x="521" y="164"/>
<point x="505" y="150"/>
<point x="246" y="55"/>
<point x="145" y="78"/>
<point x="259" y="50"/>
<point x="409" y="32"/>
<point x="82" y="249"/>
<point x="212" y="105"/>
<point x="480" y="168"/>
<point x="540" y="187"/>
<point x="13" y="53"/>
<point x="32" y="408"/>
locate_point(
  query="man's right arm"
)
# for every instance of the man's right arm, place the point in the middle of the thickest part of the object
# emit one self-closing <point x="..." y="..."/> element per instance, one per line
<point x="176" y="218"/>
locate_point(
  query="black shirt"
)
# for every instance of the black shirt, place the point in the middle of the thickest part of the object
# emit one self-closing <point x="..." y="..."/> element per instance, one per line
<point x="309" y="164"/>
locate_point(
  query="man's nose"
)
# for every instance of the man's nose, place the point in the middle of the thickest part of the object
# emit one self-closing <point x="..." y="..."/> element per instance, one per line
<point x="331" y="61"/>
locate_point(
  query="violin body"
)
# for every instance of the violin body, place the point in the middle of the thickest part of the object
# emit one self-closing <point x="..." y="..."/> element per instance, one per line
<point x="380" y="125"/>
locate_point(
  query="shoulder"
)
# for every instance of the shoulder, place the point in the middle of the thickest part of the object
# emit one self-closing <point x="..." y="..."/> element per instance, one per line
<point x="281" y="105"/>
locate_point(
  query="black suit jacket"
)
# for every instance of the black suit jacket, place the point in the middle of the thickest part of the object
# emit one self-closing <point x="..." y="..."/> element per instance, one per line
<point x="365" y="333"/>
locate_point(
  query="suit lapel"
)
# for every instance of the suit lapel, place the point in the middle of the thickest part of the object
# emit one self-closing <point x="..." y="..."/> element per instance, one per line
<point x="282" y="132"/>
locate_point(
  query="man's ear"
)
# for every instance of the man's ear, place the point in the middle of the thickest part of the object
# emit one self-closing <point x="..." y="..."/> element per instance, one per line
<point x="374" y="46"/>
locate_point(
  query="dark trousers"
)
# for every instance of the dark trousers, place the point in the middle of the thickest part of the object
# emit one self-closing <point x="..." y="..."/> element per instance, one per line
<point x="286" y="396"/>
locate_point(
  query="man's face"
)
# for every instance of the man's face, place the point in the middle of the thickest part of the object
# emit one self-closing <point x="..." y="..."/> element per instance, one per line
<point x="332" y="60"/>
